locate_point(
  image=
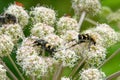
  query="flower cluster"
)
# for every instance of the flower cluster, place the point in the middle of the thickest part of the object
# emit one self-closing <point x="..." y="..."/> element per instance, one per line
<point x="35" y="65"/>
<point x="65" y="78"/>
<point x="28" y="41"/>
<point x="92" y="74"/>
<point x="28" y="59"/>
<point x="95" y="56"/>
<point x="3" y="75"/>
<point x="66" y="23"/>
<point x="109" y="35"/>
<point x="104" y="37"/>
<point x="12" y="30"/>
<point x="20" y="14"/>
<point x="90" y="6"/>
<point x="66" y="57"/>
<point x="70" y="35"/>
<point x="40" y="30"/>
<point x="43" y="15"/>
<point x="54" y="39"/>
<point x="70" y="38"/>
<point x="6" y="45"/>
<point x="23" y="52"/>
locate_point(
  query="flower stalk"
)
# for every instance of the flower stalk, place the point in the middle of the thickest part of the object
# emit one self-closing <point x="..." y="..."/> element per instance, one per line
<point x="114" y="75"/>
<point x="57" y="75"/>
<point x="91" y="21"/>
<point x="33" y="77"/>
<point x="81" y="19"/>
<point x="77" y="67"/>
<point x="9" y="71"/>
<point x="115" y="53"/>
<point x="20" y="74"/>
<point x="43" y="53"/>
<point x="44" y="78"/>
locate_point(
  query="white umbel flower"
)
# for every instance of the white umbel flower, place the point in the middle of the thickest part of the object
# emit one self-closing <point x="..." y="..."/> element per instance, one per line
<point x="20" y="14"/>
<point x="13" y="30"/>
<point x="40" y="30"/>
<point x="65" y="78"/>
<point x="92" y="74"/>
<point x="66" y="57"/>
<point x="50" y="63"/>
<point x="43" y="15"/>
<point x="78" y="48"/>
<point x="70" y="38"/>
<point x="53" y="39"/>
<point x="35" y="66"/>
<point x="6" y="45"/>
<point x="29" y="41"/>
<point x="70" y="35"/>
<point x="90" y="6"/>
<point x="109" y="35"/>
<point x="3" y="75"/>
<point x="95" y="56"/>
<point x="66" y="23"/>
<point x="23" y="52"/>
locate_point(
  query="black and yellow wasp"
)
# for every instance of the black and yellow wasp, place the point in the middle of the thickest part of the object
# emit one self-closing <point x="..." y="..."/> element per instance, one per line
<point x="45" y="46"/>
<point x="82" y="38"/>
<point x="8" y="19"/>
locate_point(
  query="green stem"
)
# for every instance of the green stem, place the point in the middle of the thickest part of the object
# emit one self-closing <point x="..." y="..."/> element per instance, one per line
<point x="114" y="75"/>
<point x="33" y="77"/>
<point x="77" y="67"/>
<point x="15" y="67"/>
<point x="76" y="77"/>
<point x="115" y="53"/>
<point x="43" y="52"/>
<point x="44" y="77"/>
<point x="57" y="75"/>
<point x="81" y="20"/>
<point x="55" y="71"/>
<point x="91" y="21"/>
<point x="9" y="71"/>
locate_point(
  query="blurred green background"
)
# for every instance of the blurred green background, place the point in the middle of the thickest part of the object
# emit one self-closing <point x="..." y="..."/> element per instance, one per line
<point x="61" y="6"/>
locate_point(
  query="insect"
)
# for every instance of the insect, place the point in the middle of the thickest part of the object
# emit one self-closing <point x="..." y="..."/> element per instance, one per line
<point x="45" y="45"/>
<point x="82" y="38"/>
<point x="86" y="38"/>
<point x="8" y="19"/>
<point x="18" y="4"/>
